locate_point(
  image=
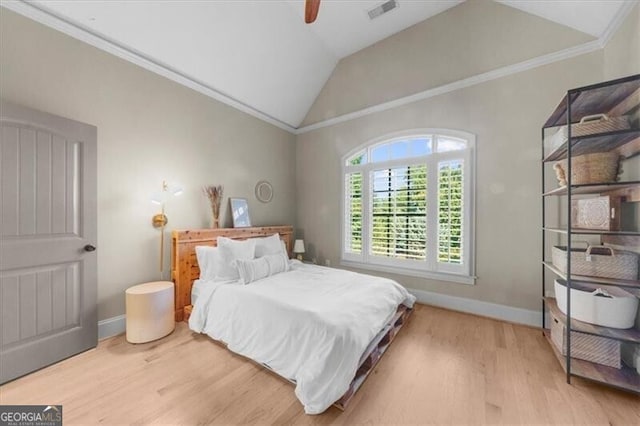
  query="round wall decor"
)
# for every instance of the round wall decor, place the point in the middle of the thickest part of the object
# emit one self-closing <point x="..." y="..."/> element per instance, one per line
<point x="264" y="191"/>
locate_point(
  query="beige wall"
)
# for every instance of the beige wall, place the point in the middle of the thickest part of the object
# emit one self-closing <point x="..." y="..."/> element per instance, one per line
<point x="149" y="129"/>
<point x="621" y="59"/>
<point x="506" y="116"/>
<point x="474" y="37"/>
<point x="622" y="53"/>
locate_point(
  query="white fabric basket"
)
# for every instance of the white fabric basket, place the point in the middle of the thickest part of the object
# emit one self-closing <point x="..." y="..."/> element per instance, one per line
<point x="597" y="261"/>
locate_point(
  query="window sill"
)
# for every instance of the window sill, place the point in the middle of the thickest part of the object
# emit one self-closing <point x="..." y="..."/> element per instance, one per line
<point x="440" y="276"/>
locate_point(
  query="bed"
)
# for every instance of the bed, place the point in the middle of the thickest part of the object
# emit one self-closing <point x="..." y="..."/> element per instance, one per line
<point x="322" y="329"/>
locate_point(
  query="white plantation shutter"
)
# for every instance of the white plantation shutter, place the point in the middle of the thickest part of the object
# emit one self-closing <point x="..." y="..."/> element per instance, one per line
<point x="398" y="212"/>
<point x="353" y="210"/>
<point x="408" y="206"/>
<point x="450" y="212"/>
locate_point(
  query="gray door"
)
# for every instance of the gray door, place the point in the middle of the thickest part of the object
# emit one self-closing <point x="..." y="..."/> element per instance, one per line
<point x="48" y="277"/>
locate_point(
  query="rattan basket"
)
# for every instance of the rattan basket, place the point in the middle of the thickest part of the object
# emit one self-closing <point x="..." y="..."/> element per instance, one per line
<point x="599" y="123"/>
<point x="597" y="261"/>
<point x="588" y="125"/>
<point x="599" y="167"/>
<point x="600" y="350"/>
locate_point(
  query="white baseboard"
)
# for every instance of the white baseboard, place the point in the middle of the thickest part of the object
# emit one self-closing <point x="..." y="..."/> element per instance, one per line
<point x="477" y="307"/>
<point x="111" y="327"/>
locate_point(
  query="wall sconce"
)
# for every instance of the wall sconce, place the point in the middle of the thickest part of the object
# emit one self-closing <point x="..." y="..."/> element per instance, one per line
<point x="160" y="220"/>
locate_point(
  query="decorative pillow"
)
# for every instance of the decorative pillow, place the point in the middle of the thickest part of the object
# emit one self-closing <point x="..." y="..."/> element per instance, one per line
<point x="207" y="256"/>
<point x="265" y="266"/>
<point x="268" y="245"/>
<point x="230" y="251"/>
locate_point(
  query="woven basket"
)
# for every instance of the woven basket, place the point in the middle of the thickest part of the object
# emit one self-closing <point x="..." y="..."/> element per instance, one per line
<point x="588" y="125"/>
<point x="597" y="261"/>
<point x="600" y="350"/>
<point x="600" y="167"/>
<point x="599" y="123"/>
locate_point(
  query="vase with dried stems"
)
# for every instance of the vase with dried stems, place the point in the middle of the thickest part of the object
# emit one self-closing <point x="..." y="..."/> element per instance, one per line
<point x="214" y="194"/>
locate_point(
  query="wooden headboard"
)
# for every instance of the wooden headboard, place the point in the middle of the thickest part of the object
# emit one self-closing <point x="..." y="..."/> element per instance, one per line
<point x="184" y="264"/>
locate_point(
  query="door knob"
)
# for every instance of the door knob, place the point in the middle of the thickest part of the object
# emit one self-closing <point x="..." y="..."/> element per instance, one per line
<point x="89" y="247"/>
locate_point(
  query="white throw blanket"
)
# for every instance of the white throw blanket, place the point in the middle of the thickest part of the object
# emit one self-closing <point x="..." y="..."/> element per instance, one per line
<point x="311" y="324"/>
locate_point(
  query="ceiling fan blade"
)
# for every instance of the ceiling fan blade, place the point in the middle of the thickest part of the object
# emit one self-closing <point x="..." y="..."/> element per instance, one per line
<point x="311" y="8"/>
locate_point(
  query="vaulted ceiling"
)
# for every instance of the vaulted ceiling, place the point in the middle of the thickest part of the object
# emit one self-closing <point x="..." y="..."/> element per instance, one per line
<point x="260" y="56"/>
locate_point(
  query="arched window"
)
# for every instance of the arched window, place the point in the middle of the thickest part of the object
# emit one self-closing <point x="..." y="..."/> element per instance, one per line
<point x="408" y="205"/>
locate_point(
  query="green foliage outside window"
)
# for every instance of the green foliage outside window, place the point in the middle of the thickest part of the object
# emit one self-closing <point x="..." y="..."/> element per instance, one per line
<point x="399" y="208"/>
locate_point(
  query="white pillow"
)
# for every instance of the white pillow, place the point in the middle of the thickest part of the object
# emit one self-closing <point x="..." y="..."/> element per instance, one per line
<point x="268" y="245"/>
<point x="262" y="267"/>
<point x="230" y="251"/>
<point x="207" y="257"/>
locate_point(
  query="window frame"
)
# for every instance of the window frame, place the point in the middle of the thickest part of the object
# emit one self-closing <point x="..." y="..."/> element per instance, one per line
<point x="429" y="268"/>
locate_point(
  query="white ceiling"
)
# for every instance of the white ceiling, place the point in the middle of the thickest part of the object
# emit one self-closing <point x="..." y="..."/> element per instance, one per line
<point x="257" y="55"/>
<point x="589" y="16"/>
<point x="344" y="26"/>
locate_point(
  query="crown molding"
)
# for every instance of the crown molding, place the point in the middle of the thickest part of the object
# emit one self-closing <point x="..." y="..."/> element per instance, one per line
<point x="550" y="58"/>
<point x="76" y="31"/>
<point x="617" y="21"/>
<point x="129" y="54"/>
<point x="529" y="64"/>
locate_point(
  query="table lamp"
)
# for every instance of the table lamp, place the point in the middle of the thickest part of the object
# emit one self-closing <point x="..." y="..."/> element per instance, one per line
<point x="298" y="248"/>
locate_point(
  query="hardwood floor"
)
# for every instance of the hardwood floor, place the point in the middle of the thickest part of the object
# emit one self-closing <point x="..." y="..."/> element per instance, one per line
<point x="444" y="368"/>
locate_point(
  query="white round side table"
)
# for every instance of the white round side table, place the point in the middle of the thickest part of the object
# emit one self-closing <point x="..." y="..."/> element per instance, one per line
<point x="150" y="313"/>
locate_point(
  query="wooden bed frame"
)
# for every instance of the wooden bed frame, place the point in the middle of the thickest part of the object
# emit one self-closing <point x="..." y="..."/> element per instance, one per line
<point x="184" y="264"/>
<point x="184" y="270"/>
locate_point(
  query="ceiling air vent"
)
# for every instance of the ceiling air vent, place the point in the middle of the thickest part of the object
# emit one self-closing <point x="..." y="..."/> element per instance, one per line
<point x="382" y="9"/>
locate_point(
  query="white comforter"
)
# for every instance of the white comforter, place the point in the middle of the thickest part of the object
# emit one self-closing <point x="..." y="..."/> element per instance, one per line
<point x="310" y="324"/>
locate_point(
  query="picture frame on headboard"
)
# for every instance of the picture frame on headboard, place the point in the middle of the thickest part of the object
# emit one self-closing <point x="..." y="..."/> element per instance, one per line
<point x="240" y="212"/>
